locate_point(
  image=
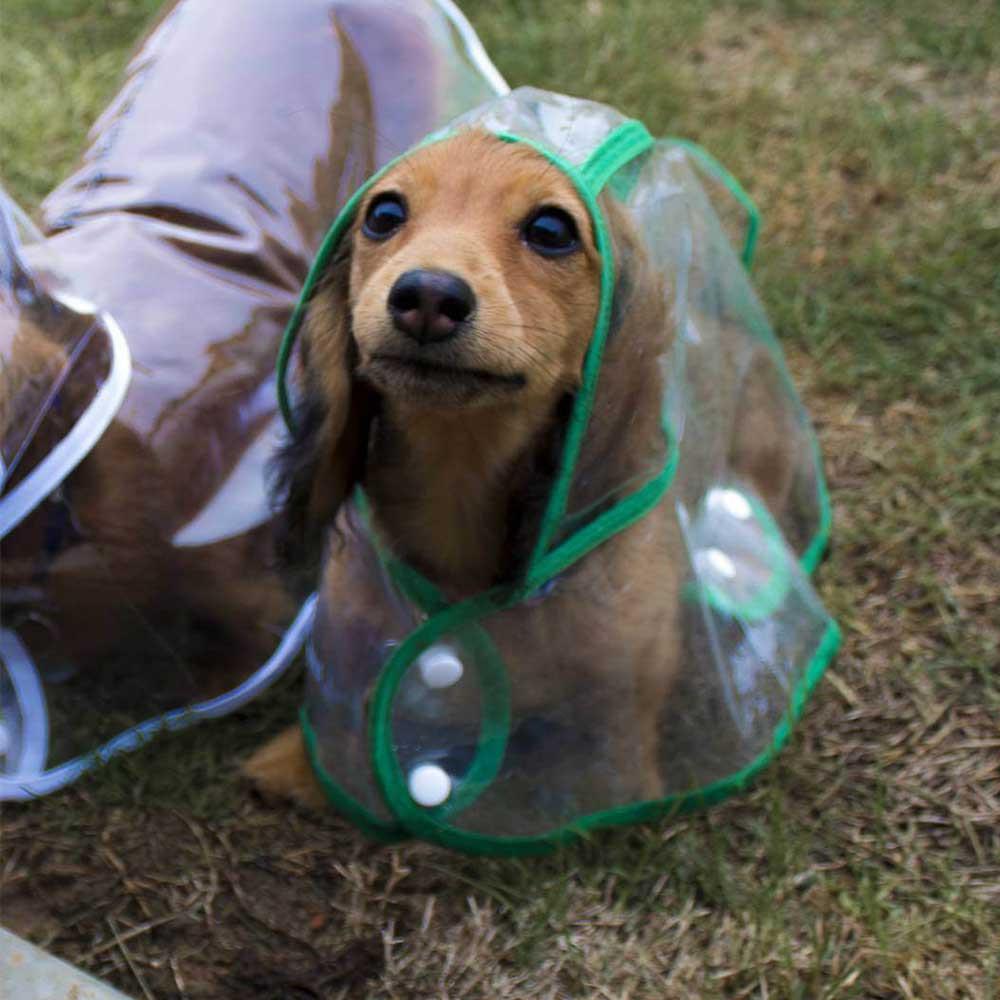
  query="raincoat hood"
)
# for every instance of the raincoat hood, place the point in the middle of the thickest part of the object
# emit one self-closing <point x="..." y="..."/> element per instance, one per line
<point x="511" y="720"/>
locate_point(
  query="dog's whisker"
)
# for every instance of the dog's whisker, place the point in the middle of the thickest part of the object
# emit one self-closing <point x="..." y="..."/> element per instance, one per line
<point x="529" y="348"/>
<point x="531" y="352"/>
<point x="522" y="354"/>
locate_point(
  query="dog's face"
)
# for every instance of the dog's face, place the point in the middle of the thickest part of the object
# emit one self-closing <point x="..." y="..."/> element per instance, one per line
<point x="474" y="279"/>
<point x="460" y="305"/>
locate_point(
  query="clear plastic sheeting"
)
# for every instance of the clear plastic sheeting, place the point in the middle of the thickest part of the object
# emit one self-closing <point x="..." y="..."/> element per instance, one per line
<point x="664" y="635"/>
<point x="139" y="587"/>
<point x="353" y="635"/>
<point x="63" y="367"/>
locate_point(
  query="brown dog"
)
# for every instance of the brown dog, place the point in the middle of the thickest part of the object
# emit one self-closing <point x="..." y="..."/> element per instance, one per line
<point x="439" y="356"/>
<point x="90" y="574"/>
<point x="439" y="359"/>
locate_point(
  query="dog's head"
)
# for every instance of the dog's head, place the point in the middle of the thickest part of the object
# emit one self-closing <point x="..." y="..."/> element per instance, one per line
<point x="467" y="290"/>
<point x="473" y="279"/>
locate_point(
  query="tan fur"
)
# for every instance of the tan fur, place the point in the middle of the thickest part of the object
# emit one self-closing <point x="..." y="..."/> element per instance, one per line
<point x="124" y="567"/>
<point x="282" y="769"/>
<point x="533" y="320"/>
<point x="442" y="470"/>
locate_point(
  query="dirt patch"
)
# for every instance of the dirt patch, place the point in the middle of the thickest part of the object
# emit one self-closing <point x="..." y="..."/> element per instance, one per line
<point x="190" y="908"/>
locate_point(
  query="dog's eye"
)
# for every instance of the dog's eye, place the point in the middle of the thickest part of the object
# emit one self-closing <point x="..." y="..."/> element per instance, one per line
<point x="385" y="215"/>
<point x="551" y="232"/>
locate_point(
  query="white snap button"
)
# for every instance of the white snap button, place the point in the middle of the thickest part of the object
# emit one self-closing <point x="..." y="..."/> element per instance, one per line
<point x="429" y="785"/>
<point x="734" y="503"/>
<point x="720" y="563"/>
<point x="439" y="667"/>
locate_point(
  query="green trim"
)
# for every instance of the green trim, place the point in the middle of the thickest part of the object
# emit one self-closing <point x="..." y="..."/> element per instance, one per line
<point x="422" y="823"/>
<point x="642" y="812"/>
<point x="625" y="143"/>
<point x="347" y="805"/>
<point x="624" y="513"/>
<point x="621" y="146"/>
<point x="494" y="728"/>
<point x="494" y="731"/>
<point x="721" y="174"/>
<point x="770" y="596"/>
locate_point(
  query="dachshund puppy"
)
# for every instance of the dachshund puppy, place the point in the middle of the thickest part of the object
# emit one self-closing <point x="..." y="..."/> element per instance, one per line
<point x="439" y="360"/>
<point x="90" y="573"/>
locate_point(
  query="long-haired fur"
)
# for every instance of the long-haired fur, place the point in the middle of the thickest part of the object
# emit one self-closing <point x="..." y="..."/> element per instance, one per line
<point x="459" y="493"/>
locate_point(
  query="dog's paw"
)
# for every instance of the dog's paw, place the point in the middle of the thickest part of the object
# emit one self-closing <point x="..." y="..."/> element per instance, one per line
<point x="280" y="769"/>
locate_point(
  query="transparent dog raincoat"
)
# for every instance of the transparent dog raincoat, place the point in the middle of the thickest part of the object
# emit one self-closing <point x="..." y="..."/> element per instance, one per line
<point x="521" y="716"/>
<point x="138" y="586"/>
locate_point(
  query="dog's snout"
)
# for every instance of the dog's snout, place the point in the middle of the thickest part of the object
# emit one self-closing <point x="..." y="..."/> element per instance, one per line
<point x="430" y="305"/>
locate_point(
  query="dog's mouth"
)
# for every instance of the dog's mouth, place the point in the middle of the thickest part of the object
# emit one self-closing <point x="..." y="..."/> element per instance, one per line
<point x="460" y="383"/>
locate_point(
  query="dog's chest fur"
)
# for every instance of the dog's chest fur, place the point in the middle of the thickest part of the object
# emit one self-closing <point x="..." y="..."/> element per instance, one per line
<point x="442" y="488"/>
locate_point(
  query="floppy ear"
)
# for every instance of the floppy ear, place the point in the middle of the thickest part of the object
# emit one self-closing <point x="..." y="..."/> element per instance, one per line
<point x="624" y="443"/>
<point x="639" y="335"/>
<point x="317" y="470"/>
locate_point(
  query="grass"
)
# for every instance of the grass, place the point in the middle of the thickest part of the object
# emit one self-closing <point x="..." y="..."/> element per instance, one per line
<point x="866" y="864"/>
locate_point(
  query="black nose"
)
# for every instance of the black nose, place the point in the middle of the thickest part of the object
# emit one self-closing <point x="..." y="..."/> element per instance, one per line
<point x="430" y="305"/>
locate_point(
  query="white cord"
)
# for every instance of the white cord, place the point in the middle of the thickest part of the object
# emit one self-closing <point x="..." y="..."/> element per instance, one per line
<point x="21" y="786"/>
<point x="474" y="47"/>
